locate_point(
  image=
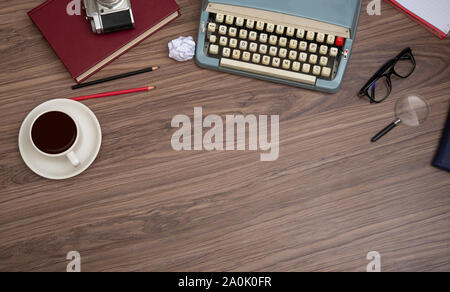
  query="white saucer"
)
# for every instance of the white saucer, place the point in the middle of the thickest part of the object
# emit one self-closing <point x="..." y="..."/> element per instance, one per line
<point x="86" y="149"/>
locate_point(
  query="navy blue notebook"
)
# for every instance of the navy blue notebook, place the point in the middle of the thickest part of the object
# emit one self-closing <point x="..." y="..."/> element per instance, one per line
<point x="442" y="159"/>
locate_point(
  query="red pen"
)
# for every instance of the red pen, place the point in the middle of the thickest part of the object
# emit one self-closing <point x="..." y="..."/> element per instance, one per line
<point x="106" y="94"/>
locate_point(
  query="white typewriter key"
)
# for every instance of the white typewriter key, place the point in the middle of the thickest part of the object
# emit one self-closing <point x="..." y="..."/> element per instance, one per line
<point x="233" y="43"/>
<point x="270" y="27"/>
<point x="316" y="70"/>
<point x="312" y="48"/>
<point x="246" y="56"/>
<point x="293" y="55"/>
<point x="263" y="49"/>
<point x="273" y="51"/>
<point x="219" y="18"/>
<point x="300" y="33"/>
<point x="303" y="46"/>
<point x="253" y="47"/>
<point x="283" y="42"/>
<point x="212" y="27"/>
<point x="239" y="21"/>
<point x="333" y="52"/>
<point x="286" y="64"/>
<point x="323" y="50"/>
<point x="313" y="59"/>
<point x="232" y="32"/>
<point x="331" y="39"/>
<point x="276" y="62"/>
<point x="283" y="53"/>
<point x="260" y="25"/>
<point x="253" y="36"/>
<point x="229" y="20"/>
<point x="296" y="66"/>
<point x="222" y="30"/>
<point x="226" y="52"/>
<point x="273" y="40"/>
<point x="263" y="38"/>
<point x="293" y="44"/>
<point x="320" y="38"/>
<point x="280" y="29"/>
<point x="266" y="60"/>
<point x="290" y="32"/>
<point x="306" y="68"/>
<point x="223" y="41"/>
<point x="243" y="34"/>
<point x="326" y="72"/>
<point x="243" y="45"/>
<point x="250" y="24"/>
<point x="323" y="61"/>
<point x="213" y="39"/>
<point x="256" y="58"/>
<point x="236" y="54"/>
<point x="213" y="49"/>
<point x="310" y="35"/>
<point x="303" y="57"/>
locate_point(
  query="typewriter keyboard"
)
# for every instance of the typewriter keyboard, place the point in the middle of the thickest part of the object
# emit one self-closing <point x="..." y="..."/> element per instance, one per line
<point x="272" y="50"/>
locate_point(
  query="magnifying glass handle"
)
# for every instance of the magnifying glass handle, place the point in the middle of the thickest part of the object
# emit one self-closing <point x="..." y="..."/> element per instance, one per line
<point x="385" y="130"/>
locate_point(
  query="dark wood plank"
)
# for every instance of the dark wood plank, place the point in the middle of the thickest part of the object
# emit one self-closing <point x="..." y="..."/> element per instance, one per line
<point x="330" y="198"/>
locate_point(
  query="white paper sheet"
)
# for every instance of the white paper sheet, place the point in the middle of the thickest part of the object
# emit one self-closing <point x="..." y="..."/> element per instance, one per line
<point x="436" y="12"/>
<point x="182" y="49"/>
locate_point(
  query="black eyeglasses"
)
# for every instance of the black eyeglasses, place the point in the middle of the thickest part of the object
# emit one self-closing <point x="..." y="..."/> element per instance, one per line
<point x="379" y="87"/>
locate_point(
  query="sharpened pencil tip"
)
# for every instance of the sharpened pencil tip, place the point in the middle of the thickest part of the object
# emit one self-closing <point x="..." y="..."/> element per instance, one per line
<point x="151" y="87"/>
<point x="156" y="68"/>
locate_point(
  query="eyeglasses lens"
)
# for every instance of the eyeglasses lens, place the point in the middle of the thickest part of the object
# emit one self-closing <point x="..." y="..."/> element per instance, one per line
<point x="405" y="66"/>
<point x="380" y="89"/>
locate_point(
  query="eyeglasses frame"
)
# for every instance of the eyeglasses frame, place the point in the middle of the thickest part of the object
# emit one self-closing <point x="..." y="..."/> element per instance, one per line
<point x="386" y="71"/>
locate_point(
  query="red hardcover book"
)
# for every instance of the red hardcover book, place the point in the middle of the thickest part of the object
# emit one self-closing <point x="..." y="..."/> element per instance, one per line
<point x="83" y="52"/>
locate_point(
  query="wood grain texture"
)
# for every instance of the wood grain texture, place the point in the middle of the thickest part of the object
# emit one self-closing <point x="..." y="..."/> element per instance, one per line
<point x="330" y="198"/>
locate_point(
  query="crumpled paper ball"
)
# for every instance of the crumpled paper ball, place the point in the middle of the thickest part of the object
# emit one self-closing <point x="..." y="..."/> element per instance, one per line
<point x="182" y="49"/>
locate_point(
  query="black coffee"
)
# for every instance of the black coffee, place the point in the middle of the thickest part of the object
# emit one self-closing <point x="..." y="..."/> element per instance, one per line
<point x="54" y="132"/>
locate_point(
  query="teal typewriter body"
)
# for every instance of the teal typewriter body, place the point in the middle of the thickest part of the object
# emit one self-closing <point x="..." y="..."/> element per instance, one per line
<point x="303" y="43"/>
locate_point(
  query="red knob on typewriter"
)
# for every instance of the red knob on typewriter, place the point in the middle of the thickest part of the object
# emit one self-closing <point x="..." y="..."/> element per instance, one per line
<point x="340" y="41"/>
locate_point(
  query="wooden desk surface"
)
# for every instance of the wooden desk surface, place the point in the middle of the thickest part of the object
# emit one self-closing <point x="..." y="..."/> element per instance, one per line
<point x="330" y="198"/>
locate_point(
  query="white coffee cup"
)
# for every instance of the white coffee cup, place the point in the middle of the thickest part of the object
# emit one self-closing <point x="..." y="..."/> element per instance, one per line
<point x="69" y="153"/>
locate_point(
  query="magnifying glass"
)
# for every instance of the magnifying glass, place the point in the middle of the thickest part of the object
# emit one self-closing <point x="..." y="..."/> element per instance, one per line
<point x="411" y="110"/>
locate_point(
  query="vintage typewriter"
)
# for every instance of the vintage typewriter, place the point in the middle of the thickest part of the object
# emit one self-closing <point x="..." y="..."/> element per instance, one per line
<point x="304" y="43"/>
